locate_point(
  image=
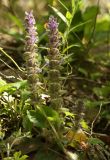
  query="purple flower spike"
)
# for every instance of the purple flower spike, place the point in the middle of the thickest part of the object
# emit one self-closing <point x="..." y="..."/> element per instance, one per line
<point x="54" y="79"/>
<point x="29" y="17"/>
<point x="52" y="24"/>
<point x="30" y="28"/>
<point x="53" y="34"/>
<point x="31" y="55"/>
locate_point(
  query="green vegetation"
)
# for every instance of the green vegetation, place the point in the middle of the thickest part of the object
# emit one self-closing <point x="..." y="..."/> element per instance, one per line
<point x="54" y="80"/>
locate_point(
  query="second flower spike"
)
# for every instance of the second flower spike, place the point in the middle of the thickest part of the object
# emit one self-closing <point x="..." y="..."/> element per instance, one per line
<point x="54" y="77"/>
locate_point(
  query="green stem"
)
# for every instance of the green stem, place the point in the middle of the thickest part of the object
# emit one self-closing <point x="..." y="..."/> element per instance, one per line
<point x="58" y="139"/>
<point x="1" y="49"/>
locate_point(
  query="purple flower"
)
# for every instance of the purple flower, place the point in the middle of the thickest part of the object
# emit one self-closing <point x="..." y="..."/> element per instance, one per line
<point x="53" y="34"/>
<point x="29" y="17"/>
<point x="54" y="79"/>
<point x="52" y="24"/>
<point x="30" y="56"/>
<point x="31" y="37"/>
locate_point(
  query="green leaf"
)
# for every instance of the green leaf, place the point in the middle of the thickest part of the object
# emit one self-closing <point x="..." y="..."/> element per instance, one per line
<point x="18" y="156"/>
<point x="95" y="141"/>
<point x="96" y="75"/>
<point x="7" y="87"/>
<point x="79" y="26"/>
<point x="83" y="71"/>
<point x="60" y="15"/>
<point x="69" y="114"/>
<point x="73" y="3"/>
<point x="102" y="92"/>
<point x="90" y="12"/>
<point x="106" y="114"/>
<point x="42" y="116"/>
<point x="64" y="6"/>
<point x="37" y="118"/>
<point x="27" y="124"/>
<point x="69" y="47"/>
<point x="13" y="86"/>
<point x="2" y="82"/>
<point x="91" y="104"/>
<point x="68" y="15"/>
<point x="24" y="157"/>
<point x="16" y="20"/>
<point x="84" y="125"/>
<point x="25" y="94"/>
<point x="50" y="113"/>
<point x="20" y="84"/>
<point x="102" y="26"/>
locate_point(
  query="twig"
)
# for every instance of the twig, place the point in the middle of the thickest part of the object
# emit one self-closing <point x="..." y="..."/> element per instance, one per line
<point x="1" y="49"/>
<point x="92" y="125"/>
<point x="7" y="64"/>
<point x="82" y="78"/>
<point x="9" y="77"/>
